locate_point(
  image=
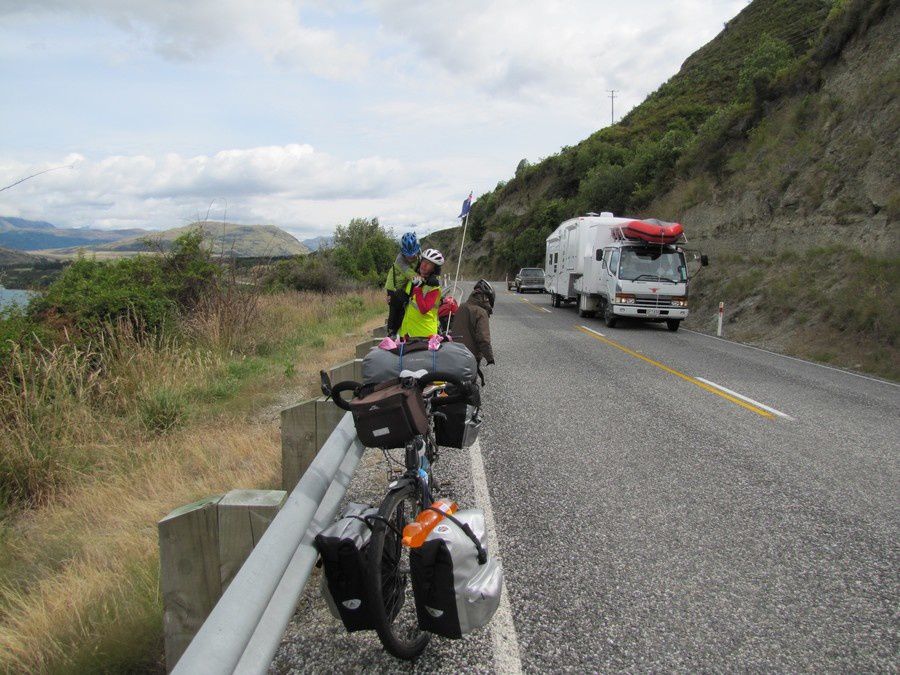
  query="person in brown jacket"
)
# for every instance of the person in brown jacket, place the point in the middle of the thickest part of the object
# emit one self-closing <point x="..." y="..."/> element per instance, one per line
<point x="471" y="323"/>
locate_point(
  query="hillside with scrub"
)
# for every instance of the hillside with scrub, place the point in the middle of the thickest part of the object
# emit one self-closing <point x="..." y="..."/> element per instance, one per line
<point x="131" y="387"/>
<point x="776" y="146"/>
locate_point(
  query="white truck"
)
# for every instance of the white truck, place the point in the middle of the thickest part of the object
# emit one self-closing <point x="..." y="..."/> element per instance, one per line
<point x="620" y="267"/>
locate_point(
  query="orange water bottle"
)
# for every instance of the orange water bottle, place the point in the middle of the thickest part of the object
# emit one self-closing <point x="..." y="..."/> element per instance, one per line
<point x="415" y="533"/>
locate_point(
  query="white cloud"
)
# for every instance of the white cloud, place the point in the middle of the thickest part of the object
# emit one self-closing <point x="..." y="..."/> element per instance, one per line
<point x="185" y="30"/>
<point x="554" y="52"/>
<point x="287" y="184"/>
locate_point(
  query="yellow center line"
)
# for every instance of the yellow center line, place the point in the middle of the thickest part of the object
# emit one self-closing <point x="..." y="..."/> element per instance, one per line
<point x="686" y="378"/>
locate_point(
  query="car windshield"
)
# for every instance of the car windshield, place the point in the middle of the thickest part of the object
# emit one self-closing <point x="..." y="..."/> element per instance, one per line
<point x="648" y="265"/>
<point x="532" y="273"/>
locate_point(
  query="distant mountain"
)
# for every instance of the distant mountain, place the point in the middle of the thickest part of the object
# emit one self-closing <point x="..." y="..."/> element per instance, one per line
<point x="316" y="243"/>
<point x="35" y="235"/>
<point x="228" y="239"/>
<point x="9" y="257"/>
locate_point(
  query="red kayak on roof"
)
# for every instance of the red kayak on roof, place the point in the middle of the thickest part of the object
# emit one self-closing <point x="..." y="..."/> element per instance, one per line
<point x="653" y="231"/>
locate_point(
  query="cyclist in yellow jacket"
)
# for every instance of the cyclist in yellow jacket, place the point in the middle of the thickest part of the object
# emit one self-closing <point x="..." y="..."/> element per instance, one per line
<point x="424" y="291"/>
<point x="402" y="271"/>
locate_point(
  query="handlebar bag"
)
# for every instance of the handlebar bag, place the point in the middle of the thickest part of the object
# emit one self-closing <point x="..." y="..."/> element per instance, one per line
<point x="461" y="427"/>
<point x="389" y="415"/>
<point x="455" y="593"/>
<point x="343" y="547"/>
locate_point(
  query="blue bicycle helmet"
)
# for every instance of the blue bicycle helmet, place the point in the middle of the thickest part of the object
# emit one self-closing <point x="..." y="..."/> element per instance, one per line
<point x="409" y="245"/>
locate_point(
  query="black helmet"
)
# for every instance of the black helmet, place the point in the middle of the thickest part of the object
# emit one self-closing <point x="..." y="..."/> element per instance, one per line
<point x="487" y="290"/>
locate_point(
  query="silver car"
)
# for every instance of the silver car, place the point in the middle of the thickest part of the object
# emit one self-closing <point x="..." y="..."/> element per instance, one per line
<point x="530" y="279"/>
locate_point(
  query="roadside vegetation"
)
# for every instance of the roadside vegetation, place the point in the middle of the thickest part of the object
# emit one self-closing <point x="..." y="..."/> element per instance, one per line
<point x="127" y="389"/>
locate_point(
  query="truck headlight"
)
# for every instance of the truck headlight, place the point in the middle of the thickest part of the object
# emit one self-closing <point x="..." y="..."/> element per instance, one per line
<point x="679" y="301"/>
<point x="624" y="299"/>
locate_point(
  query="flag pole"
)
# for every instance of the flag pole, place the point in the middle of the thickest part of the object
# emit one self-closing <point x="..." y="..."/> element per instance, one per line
<point x="462" y="243"/>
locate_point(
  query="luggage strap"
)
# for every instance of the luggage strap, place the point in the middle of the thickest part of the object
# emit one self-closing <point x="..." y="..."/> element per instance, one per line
<point x="482" y="554"/>
<point x="375" y="516"/>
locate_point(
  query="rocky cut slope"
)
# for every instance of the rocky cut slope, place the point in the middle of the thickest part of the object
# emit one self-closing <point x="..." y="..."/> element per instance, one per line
<point x="776" y="146"/>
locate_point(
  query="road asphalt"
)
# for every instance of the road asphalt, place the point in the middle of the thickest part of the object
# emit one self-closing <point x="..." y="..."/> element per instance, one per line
<point x="667" y="501"/>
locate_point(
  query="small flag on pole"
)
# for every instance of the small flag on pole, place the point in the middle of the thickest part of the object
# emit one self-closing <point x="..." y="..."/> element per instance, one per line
<point x="467" y="204"/>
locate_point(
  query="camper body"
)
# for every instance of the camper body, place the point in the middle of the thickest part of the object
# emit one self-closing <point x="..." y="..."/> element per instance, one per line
<point x="611" y="266"/>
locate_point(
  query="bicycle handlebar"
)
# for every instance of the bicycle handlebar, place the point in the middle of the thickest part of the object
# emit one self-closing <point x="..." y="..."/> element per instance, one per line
<point x="334" y="392"/>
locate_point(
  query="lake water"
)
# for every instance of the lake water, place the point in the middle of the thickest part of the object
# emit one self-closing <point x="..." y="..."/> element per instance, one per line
<point x="9" y="296"/>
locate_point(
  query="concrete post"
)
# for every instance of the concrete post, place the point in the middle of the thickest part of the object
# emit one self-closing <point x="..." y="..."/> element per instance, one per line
<point x="379" y="332"/>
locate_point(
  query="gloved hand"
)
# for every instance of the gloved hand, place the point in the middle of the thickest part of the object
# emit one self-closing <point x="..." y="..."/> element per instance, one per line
<point x="417" y="280"/>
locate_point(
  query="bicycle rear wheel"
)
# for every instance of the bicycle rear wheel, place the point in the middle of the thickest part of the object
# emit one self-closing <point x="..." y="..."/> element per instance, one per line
<point x="389" y="581"/>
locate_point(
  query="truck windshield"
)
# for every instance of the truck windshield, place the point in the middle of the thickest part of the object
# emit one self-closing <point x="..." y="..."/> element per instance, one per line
<point x="649" y="264"/>
<point x="532" y="273"/>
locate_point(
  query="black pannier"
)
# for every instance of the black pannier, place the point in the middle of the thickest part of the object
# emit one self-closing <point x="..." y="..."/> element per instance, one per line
<point x="461" y="426"/>
<point x="343" y="548"/>
<point x="390" y="414"/>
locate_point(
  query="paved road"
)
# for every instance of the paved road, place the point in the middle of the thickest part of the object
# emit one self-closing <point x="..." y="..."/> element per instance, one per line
<point x="647" y="522"/>
<point x="649" y="519"/>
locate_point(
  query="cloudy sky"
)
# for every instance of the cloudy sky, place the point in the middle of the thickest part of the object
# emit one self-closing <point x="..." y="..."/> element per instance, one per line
<point x="306" y="113"/>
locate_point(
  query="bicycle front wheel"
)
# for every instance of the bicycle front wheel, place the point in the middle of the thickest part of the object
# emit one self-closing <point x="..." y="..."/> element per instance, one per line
<point x="389" y="579"/>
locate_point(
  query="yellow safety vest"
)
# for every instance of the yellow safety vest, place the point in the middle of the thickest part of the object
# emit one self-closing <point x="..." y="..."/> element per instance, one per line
<point x="416" y="324"/>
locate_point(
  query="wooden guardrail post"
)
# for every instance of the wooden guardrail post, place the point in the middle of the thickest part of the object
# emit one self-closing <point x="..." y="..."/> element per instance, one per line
<point x="189" y="576"/>
<point x="363" y="348"/>
<point x="201" y="548"/>
<point x="244" y="516"/>
<point x="299" y="441"/>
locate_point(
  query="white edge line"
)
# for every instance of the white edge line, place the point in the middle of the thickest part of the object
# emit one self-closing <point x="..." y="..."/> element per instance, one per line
<point x="595" y="332"/>
<point x="503" y="629"/>
<point x="792" y="358"/>
<point x="747" y="399"/>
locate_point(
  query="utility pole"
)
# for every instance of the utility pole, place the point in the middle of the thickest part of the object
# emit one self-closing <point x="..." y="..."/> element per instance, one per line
<point x="612" y="105"/>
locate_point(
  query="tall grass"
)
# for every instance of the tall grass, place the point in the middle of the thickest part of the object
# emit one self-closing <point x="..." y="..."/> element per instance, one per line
<point x="99" y="440"/>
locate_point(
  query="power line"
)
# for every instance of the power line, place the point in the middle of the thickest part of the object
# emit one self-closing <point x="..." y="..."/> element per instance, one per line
<point x="55" y="168"/>
<point x="612" y="105"/>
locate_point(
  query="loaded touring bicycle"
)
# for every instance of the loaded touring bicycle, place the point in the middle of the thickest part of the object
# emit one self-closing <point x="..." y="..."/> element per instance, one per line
<point x="413" y="566"/>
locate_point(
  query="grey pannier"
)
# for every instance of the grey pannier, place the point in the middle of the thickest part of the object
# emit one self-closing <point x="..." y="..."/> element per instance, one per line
<point x="452" y="357"/>
<point x="455" y="583"/>
<point x="343" y="547"/>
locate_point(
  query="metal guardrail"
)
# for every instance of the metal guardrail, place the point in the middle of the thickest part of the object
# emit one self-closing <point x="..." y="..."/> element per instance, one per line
<point x="244" y="629"/>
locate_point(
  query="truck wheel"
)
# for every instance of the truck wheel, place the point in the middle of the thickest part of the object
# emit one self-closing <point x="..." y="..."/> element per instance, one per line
<point x="555" y="300"/>
<point x="672" y="324"/>
<point x="609" y="318"/>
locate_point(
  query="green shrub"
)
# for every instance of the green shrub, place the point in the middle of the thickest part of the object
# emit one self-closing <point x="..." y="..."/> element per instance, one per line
<point x="762" y="66"/>
<point x="349" y="305"/>
<point x="148" y="291"/>
<point x="162" y="410"/>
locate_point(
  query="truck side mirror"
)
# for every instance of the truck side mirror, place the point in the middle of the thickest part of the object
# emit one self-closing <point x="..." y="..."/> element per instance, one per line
<point x="599" y="254"/>
<point x="704" y="260"/>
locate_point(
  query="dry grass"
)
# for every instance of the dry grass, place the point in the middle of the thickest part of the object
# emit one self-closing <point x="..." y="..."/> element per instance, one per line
<point x="79" y="573"/>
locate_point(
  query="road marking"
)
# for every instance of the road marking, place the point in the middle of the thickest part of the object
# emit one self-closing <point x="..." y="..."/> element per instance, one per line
<point x="792" y="358"/>
<point x="595" y="332"/>
<point x="748" y="399"/>
<point x="536" y="308"/>
<point x="507" y="658"/>
<point x="687" y="378"/>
